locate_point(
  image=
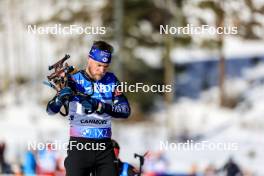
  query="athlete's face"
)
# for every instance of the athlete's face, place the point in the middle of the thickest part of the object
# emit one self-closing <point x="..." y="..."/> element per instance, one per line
<point x="96" y="70"/>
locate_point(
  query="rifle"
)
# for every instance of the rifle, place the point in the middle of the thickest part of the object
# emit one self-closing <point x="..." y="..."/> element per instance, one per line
<point x="59" y="78"/>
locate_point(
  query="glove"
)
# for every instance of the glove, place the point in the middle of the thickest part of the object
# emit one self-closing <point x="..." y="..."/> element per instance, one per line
<point x="64" y="94"/>
<point x="91" y="105"/>
<point x="53" y="106"/>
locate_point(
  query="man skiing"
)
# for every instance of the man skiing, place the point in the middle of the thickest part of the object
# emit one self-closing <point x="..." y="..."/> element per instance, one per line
<point x="90" y="116"/>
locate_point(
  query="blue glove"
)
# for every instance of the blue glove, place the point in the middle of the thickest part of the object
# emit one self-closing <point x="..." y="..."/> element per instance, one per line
<point x="90" y="105"/>
<point x="56" y="103"/>
<point x="64" y="94"/>
<point x="54" y="106"/>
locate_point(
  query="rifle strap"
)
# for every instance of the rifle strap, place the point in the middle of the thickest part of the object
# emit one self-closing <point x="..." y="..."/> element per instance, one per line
<point x="66" y="108"/>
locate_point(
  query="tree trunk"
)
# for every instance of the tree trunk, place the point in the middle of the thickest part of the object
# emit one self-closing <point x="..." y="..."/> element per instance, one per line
<point x="220" y="23"/>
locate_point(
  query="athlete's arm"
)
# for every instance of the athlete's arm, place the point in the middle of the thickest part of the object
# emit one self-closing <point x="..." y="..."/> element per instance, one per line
<point x="55" y="104"/>
<point x="120" y="107"/>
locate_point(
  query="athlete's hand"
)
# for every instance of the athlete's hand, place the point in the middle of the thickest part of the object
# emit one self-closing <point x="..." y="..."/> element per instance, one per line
<point x="91" y="105"/>
<point x="64" y="94"/>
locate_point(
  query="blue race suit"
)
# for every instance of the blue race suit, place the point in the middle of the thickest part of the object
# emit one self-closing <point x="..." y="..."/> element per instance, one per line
<point x="95" y="125"/>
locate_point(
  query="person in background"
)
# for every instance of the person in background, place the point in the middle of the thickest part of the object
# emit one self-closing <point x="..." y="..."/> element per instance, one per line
<point x="5" y="168"/>
<point x="156" y="163"/>
<point x="29" y="167"/>
<point x="47" y="161"/>
<point x="210" y="170"/>
<point x="231" y="168"/>
<point x="124" y="168"/>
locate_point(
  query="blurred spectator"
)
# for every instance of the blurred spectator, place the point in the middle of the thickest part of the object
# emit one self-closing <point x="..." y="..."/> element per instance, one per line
<point x="47" y="161"/>
<point x="124" y="168"/>
<point x="17" y="169"/>
<point x="247" y="173"/>
<point x="156" y="164"/>
<point x="29" y="167"/>
<point x="231" y="168"/>
<point x="60" y="166"/>
<point x="210" y="170"/>
<point x="193" y="170"/>
<point x="5" y="168"/>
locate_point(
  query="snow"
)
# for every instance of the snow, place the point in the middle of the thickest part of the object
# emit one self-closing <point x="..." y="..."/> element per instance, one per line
<point x="233" y="48"/>
<point x="202" y="118"/>
<point x="28" y="122"/>
<point x="236" y="47"/>
<point x="241" y="128"/>
<point x="150" y="56"/>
